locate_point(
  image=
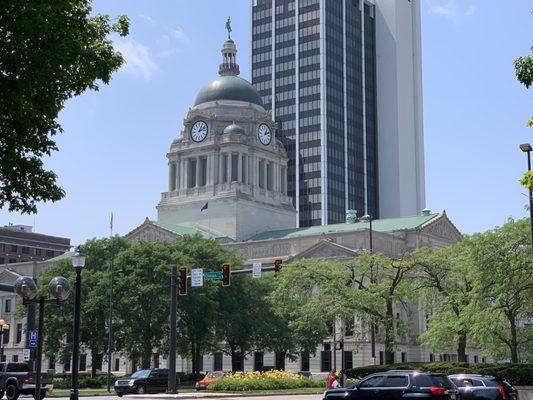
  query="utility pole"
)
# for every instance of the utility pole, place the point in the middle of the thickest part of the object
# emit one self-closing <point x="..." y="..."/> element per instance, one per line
<point x="171" y="388"/>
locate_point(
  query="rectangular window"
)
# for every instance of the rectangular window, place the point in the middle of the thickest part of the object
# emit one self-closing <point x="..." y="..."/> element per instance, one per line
<point x="38" y="252"/>
<point x="431" y="357"/>
<point x="15" y="358"/>
<point x="49" y="253"/>
<point x="7" y="306"/>
<point x="280" y="361"/>
<point x="191" y="178"/>
<point x="476" y="359"/>
<point x="117" y="364"/>
<point x="348" y="359"/>
<point x="234" y="167"/>
<point x="236" y="362"/>
<point x="5" y="339"/>
<point x="304" y="361"/>
<point x="19" y="333"/>
<point x="404" y="357"/>
<point x="225" y="168"/>
<point x="14" y="248"/>
<point x="381" y="358"/>
<point x="83" y="362"/>
<point x="218" y="362"/>
<point x="325" y="361"/>
<point x="261" y="174"/>
<point x="52" y="362"/>
<point x="203" y="171"/>
<point x="2" y="260"/>
<point x="3" y="358"/>
<point x="156" y="360"/>
<point x="258" y="361"/>
<point x="66" y="366"/>
<point x="25" y="250"/>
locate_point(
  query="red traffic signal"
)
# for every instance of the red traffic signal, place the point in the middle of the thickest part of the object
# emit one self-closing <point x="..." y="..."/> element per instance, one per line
<point x="277" y="265"/>
<point x="226" y="275"/>
<point x="182" y="282"/>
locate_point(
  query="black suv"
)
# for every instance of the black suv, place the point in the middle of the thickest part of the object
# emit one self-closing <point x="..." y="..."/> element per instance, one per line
<point x="482" y="387"/>
<point x="397" y="385"/>
<point x="144" y="381"/>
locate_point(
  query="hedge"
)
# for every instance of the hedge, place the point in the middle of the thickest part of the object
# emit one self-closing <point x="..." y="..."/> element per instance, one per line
<point x="516" y="374"/>
<point x="85" y="381"/>
<point x="272" y="380"/>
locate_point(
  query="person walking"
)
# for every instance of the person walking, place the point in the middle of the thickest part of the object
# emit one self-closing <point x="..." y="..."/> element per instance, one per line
<point x="330" y="380"/>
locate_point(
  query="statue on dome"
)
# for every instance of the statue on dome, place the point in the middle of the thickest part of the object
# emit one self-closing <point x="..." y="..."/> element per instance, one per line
<point x="228" y="27"/>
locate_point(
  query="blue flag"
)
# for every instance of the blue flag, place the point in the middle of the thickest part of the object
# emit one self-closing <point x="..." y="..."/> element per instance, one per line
<point x="205" y="207"/>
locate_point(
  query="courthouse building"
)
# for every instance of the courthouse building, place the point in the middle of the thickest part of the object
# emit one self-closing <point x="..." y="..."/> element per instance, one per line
<point x="227" y="180"/>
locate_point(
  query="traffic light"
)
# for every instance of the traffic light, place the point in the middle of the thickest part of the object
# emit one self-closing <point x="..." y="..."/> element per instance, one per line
<point x="226" y="275"/>
<point x="182" y="282"/>
<point x="277" y="265"/>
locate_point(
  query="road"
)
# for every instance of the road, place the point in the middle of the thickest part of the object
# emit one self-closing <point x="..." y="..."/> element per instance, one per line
<point x="197" y="396"/>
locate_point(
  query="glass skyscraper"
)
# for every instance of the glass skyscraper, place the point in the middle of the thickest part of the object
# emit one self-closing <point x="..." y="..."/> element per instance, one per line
<point x="314" y="65"/>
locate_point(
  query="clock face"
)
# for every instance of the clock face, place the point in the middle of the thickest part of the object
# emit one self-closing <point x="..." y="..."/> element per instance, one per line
<point x="264" y="134"/>
<point x="199" y="131"/>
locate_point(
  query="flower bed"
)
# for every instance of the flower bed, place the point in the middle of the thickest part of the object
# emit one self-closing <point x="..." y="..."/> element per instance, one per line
<point x="270" y="380"/>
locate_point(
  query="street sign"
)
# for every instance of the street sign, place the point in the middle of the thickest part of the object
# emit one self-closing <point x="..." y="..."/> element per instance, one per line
<point x="33" y="339"/>
<point x="197" y="277"/>
<point x="26" y="354"/>
<point x="213" y="276"/>
<point x="256" y="271"/>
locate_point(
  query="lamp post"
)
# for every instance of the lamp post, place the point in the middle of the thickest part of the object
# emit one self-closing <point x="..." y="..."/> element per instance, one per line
<point x="25" y="287"/>
<point x="3" y="327"/>
<point x="368" y="218"/>
<point x="78" y="262"/>
<point x="526" y="148"/>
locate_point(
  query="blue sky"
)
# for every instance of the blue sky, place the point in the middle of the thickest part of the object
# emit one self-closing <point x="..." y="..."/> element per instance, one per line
<point x="112" y="154"/>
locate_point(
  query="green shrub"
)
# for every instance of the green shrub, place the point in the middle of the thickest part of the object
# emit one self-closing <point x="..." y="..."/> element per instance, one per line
<point x="63" y="381"/>
<point x="516" y="374"/>
<point x="272" y="380"/>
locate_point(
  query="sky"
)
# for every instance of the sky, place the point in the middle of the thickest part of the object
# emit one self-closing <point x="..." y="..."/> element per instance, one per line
<point x="112" y="154"/>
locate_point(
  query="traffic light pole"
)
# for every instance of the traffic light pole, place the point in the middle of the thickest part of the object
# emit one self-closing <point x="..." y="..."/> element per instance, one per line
<point x="171" y="388"/>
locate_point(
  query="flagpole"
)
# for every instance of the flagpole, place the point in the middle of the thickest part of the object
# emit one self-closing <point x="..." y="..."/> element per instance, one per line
<point x="110" y="323"/>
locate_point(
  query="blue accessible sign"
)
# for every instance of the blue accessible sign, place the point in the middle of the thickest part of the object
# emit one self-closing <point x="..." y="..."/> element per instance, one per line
<point x="33" y="339"/>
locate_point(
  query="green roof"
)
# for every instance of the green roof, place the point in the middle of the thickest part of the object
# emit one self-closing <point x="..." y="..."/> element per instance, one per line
<point x="187" y="230"/>
<point x="378" y="225"/>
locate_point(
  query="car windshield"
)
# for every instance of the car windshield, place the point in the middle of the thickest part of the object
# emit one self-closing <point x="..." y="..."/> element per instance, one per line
<point x="441" y="380"/>
<point x="141" y="374"/>
<point x="216" y="374"/>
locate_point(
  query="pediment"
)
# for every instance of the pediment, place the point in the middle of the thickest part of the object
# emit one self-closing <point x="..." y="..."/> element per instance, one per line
<point x="150" y="232"/>
<point x="442" y="227"/>
<point x="8" y="276"/>
<point x="326" y="249"/>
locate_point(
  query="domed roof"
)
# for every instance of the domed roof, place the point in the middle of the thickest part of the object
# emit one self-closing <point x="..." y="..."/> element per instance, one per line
<point x="228" y="87"/>
<point x="234" y="128"/>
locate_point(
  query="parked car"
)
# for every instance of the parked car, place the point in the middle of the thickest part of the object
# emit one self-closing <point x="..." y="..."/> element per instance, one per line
<point x="398" y="385"/>
<point x="144" y="381"/>
<point x="16" y="379"/>
<point x="210" y="377"/>
<point x="482" y="387"/>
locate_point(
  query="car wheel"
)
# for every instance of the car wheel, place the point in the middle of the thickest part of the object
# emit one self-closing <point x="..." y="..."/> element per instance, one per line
<point x="141" y="389"/>
<point x="42" y="394"/>
<point x="12" y="392"/>
<point x="120" y="394"/>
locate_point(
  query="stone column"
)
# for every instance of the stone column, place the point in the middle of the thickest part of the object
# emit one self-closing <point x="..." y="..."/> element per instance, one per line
<point x="209" y="174"/>
<point x="198" y="172"/>
<point x="220" y="167"/>
<point x="178" y="170"/>
<point x="170" y="175"/>
<point x="265" y="173"/>
<point x="239" y="166"/>
<point x="230" y="155"/>
<point x="184" y="172"/>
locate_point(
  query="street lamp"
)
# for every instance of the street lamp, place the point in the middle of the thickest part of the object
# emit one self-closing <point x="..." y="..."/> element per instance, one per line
<point x="78" y="262"/>
<point x="25" y="287"/>
<point x="3" y="327"/>
<point x="526" y="148"/>
<point x="369" y="218"/>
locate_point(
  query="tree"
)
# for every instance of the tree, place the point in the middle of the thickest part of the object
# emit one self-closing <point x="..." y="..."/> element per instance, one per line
<point x="503" y="301"/>
<point x="94" y="295"/>
<point x="445" y="282"/>
<point x="381" y="284"/>
<point x="49" y="52"/>
<point x="142" y="298"/>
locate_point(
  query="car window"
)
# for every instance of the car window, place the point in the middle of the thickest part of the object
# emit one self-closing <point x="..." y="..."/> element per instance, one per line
<point x="144" y="373"/>
<point x="17" y="367"/>
<point x="497" y="383"/>
<point x="458" y="382"/>
<point x="441" y="381"/>
<point x="395" y="381"/>
<point x="422" y="380"/>
<point x="371" y="382"/>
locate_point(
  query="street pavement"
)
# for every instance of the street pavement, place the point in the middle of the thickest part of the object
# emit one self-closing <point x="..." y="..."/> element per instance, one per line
<point x="202" y="395"/>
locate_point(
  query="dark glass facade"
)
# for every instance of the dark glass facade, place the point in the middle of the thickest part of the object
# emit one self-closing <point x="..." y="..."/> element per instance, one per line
<point x="312" y="82"/>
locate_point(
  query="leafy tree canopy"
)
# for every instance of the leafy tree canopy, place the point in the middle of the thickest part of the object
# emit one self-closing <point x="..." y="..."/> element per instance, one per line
<point x="50" y="51"/>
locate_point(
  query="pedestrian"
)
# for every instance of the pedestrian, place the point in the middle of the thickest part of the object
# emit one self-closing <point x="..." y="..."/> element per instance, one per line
<point x="330" y="380"/>
<point x="335" y="383"/>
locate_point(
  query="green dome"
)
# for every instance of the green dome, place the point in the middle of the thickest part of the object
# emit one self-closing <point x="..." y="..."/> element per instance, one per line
<point x="228" y="88"/>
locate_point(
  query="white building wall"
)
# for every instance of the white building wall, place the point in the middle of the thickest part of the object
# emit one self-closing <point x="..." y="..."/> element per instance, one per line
<point x="399" y="105"/>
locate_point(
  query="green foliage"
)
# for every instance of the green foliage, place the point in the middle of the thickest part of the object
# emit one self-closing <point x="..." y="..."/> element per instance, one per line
<point x="86" y="381"/>
<point x="94" y="299"/>
<point x="527" y="180"/>
<point x="516" y="374"/>
<point x="49" y="53"/>
<point x="274" y="380"/>
<point x="524" y="69"/>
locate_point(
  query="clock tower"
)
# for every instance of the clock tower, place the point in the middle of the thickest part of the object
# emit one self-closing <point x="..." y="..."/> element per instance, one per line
<point x="227" y="168"/>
